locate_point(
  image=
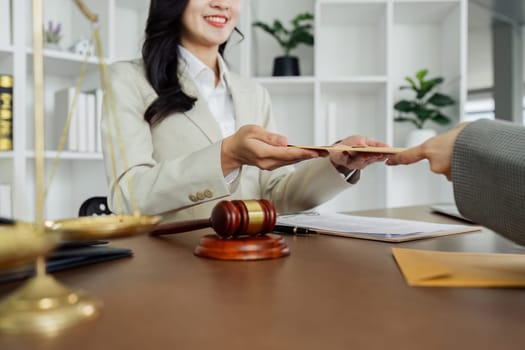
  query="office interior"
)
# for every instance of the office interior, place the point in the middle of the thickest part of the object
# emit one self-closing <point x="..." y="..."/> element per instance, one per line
<point x="330" y="292"/>
<point x="476" y="45"/>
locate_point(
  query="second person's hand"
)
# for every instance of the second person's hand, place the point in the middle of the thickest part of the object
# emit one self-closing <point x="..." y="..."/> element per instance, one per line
<point x="438" y="150"/>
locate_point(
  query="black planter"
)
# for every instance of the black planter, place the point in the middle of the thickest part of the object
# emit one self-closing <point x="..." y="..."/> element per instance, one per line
<point x="285" y="66"/>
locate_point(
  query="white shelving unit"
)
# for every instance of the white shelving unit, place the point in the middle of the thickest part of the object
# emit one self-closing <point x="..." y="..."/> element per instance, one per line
<point x="79" y="175"/>
<point x="363" y="50"/>
<point x="349" y="83"/>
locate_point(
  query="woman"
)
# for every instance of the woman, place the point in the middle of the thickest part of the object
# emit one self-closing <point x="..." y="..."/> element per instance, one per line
<point x="196" y="133"/>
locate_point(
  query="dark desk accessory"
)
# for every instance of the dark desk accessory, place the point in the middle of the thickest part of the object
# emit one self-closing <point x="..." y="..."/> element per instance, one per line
<point x="242" y="228"/>
<point x="68" y="255"/>
<point x="7" y="221"/>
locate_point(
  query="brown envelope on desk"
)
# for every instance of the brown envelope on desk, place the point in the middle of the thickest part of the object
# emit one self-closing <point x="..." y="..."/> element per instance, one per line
<point x="428" y="268"/>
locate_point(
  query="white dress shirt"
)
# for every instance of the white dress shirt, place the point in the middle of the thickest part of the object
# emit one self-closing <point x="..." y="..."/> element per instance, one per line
<point x="217" y="97"/>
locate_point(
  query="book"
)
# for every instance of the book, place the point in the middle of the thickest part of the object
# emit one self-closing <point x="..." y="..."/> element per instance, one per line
<point x="63" y="105"/>
<point x="91" y="123"/>
<point x="95" y="98"/>
<point x="6" y="112"/>
<point x="81" y="123"/>
<point x="99" y="113"/>
<point x="69" y="255"/>
<point x="378" y="229"/>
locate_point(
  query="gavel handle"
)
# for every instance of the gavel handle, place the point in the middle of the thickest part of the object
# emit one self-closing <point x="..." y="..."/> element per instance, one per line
<point x="180" y="226"/>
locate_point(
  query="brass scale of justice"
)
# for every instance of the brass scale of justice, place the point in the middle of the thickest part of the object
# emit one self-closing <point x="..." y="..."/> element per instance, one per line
<point x="44" y="305"/>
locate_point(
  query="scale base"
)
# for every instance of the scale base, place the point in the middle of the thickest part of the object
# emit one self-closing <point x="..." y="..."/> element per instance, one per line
<point x="43" y="305"/>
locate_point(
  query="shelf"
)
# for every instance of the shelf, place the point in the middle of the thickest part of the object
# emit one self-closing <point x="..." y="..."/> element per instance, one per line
<point x="356" y="79"/>
<point x="330" y="2"/>
<point x="288" y="85"/>
<point x="6" y="51"/>
<point x="50" y="155"/>
<point x="352" y="87"/>
<point x="7" y="155"/>
<point x="286" y="80"/>
<point x="62" y="63"/>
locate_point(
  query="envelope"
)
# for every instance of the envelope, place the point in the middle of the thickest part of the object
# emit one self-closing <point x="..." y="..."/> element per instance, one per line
<point x="368" y="149"/>
<point x="427" y="268"/>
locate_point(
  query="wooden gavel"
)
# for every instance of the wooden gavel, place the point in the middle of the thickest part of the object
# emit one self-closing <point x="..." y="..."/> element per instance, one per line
<point x="230" y="219"/>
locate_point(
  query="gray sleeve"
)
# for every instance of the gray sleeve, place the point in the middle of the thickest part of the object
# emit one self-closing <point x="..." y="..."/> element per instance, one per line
<point x="488" y="173"/>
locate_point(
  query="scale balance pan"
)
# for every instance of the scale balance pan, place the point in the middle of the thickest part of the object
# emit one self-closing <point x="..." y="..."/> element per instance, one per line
<point x="21" y="244"/>
<point x="103" y="227"/>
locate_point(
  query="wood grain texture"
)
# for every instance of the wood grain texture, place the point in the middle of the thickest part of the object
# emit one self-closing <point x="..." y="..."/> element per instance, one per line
<point x="330" y="293"/>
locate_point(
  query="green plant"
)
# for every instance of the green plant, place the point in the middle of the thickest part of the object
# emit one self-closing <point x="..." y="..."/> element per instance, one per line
<point x="422" y="109"/>
<point x="52" y="33"/>
<point x="289" y="39"/>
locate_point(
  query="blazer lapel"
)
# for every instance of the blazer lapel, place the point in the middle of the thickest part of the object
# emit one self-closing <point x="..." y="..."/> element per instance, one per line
<point x="243" y="100"/>
<point x="199" y="115"/>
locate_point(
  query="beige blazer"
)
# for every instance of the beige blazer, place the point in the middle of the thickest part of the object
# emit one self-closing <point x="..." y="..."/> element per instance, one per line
<point x="175" y="166"/>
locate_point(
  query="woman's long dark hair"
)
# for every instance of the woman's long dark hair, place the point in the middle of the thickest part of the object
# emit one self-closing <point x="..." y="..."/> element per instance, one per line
<point x="161" y="59"/>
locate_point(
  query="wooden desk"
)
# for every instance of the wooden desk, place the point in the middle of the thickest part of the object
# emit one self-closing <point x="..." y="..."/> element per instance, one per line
<point x="331" y="293"/>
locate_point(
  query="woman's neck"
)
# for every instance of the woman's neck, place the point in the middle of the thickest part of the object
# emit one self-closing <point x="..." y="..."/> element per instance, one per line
<point x="208" y="55"/>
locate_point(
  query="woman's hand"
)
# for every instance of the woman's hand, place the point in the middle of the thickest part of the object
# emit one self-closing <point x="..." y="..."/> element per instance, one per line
<point x="357" y="160"/>
<point x="253" y="145"/>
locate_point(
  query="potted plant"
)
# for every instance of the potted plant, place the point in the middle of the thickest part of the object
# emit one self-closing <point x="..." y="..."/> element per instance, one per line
<point x="426" y="106"/>
<point x="289" y="39"/>
<point x="52" y="35"/>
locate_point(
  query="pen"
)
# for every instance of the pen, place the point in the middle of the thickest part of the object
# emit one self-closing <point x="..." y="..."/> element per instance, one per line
<point x="296" y="230"/>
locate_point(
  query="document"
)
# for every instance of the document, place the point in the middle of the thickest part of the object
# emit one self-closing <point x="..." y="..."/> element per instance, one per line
<point x="427" y="268"/>
<point x="379" y="229"/>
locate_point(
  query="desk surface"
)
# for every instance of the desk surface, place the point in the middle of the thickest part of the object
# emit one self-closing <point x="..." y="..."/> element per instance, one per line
<point x="330" y="293"/>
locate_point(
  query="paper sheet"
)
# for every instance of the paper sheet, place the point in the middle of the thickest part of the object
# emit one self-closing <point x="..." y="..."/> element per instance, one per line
<point x="386" y="229"/>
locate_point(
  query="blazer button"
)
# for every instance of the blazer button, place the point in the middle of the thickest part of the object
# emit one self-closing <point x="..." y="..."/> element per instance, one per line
<point x="208" y="193"/>
<point x="192" y="198"/>
<point x="200" y="196"/>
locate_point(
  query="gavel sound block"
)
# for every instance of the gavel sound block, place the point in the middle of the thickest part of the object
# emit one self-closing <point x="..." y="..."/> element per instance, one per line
<point x="242" y="228"/>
